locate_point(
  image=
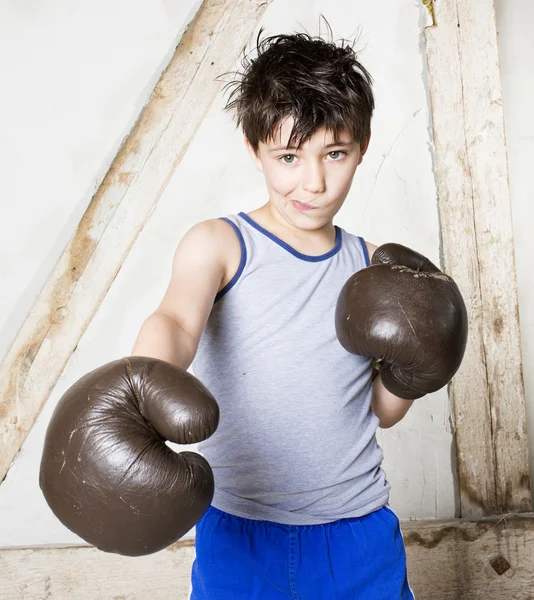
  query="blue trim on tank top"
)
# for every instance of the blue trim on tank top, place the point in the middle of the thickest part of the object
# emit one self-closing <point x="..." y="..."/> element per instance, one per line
<point x="365" y="252"/>
<point x="242" y="263"/>
<point x="291" y="250"/>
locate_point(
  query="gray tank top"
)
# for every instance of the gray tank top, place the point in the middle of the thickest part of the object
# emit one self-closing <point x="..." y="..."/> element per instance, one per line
<point x="296" y="442"/>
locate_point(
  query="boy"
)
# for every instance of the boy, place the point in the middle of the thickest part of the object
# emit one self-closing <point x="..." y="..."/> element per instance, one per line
<point x="301" y="504"/>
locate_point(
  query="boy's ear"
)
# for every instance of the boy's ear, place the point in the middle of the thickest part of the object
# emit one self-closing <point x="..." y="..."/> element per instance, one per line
<point x="363" y="147"/>
<point x="253" y="155"/>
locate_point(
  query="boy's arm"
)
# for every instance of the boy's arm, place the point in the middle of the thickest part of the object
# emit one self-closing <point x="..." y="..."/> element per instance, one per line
<point x="388" y="408"/>
<point x="172" y="333"/>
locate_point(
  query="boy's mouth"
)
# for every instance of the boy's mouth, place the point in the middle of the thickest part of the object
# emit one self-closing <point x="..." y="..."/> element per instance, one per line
<point x="302" y="206"/>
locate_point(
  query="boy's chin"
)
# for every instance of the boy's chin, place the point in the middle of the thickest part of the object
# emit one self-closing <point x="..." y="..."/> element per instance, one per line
<point x="310" y="220"/>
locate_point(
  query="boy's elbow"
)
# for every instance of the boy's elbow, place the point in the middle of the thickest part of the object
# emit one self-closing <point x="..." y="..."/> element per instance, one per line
<point x="389" y="423"/>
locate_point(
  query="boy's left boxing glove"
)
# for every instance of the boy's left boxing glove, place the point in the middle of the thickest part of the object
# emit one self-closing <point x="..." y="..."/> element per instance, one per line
<point x="407" y="315"/>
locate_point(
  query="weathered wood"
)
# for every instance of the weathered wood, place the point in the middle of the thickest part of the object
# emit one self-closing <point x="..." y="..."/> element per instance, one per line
<point x="478" y="251"/>
<point x="85" y="573"/>
<point x="455" y="559"/>
<point x="118" y="212"/>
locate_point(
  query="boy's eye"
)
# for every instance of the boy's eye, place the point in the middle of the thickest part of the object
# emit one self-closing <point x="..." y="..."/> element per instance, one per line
<point x="335" y="154"/>
<point x="282" y="158"/>
<point x="338" y="152"/>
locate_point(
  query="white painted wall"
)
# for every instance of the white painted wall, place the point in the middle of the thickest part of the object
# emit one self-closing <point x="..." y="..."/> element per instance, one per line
<point x="393" y="197"/>
<point x="74" y="78"/>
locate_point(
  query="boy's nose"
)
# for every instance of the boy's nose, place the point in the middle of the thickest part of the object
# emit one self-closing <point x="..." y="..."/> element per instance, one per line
<point x="313" y="179"/>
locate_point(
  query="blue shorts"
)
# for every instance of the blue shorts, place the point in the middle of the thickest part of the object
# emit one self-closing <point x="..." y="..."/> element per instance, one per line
<point x="361" y="558"/>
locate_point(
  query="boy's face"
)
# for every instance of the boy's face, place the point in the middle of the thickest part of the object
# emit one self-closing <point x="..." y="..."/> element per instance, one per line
<point x="307" y="187"/>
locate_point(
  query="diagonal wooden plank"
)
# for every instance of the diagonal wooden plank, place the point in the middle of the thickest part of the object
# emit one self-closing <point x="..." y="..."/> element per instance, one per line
<point x="118" y="212"/>
<point x="478" y="250"/>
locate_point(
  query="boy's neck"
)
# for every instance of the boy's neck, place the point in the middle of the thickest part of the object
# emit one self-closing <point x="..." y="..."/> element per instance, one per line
<point x="313" y="242"/>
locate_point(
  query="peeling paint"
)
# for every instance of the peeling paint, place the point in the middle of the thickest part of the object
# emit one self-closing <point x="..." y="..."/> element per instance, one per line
<point x="429" y="4"/>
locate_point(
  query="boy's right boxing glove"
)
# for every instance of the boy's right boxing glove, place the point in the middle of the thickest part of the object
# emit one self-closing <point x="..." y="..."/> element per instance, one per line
<point x="106" y="471"/>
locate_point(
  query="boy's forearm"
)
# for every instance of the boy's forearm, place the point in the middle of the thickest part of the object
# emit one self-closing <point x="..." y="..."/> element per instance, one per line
<point x="388" y="408"/>
<point x="162" y="337"/>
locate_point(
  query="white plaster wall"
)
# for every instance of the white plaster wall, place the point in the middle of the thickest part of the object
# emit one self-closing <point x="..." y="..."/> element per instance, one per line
<point x="515" y="20"/>
<point x="74" y="78"/>
<point x="393" y="199"/>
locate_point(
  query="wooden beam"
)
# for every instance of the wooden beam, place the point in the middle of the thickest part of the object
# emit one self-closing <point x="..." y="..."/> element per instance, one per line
<point x="492" y="558"/>
<point x="478" y="251"/>
<point x="85" y="573"/>
<point x="118" y="212"/>
<point x="455" y="559"/>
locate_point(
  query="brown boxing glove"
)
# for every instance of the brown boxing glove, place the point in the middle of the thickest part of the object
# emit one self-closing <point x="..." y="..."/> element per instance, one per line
<point x="408" y="316"/>
<point x="106" y="471"/>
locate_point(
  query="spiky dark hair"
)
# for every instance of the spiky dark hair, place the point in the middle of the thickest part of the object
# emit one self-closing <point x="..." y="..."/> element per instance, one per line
<point x="319" y="83"/>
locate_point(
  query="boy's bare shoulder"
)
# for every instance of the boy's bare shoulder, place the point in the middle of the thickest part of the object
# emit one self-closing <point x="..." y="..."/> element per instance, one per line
<point x="203" y="258"/>
<point x="213" y="233"/>
<point x="218" y="238"/>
